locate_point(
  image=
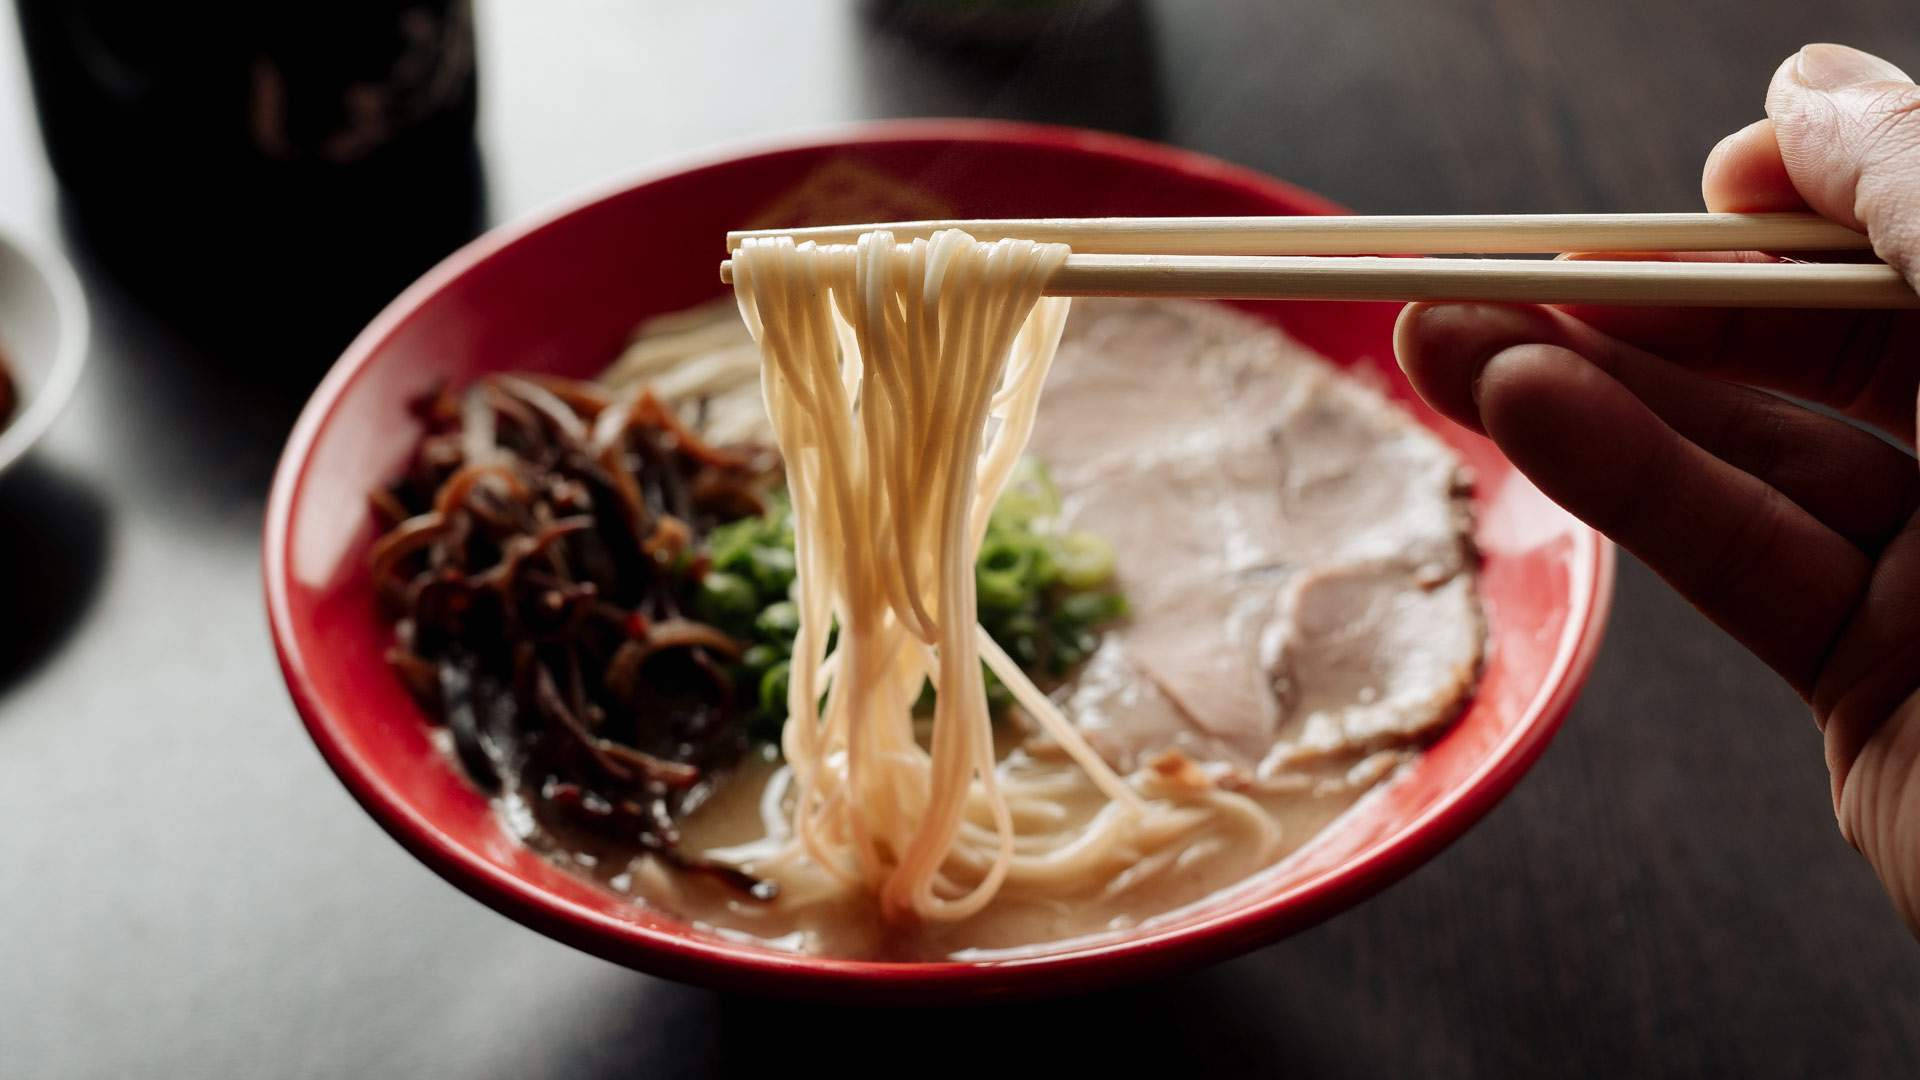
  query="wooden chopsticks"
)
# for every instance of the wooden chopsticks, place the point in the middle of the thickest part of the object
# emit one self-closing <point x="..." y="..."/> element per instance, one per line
<point x="1284" y="258"/>
<point x="1410" y="234"/>
<point x="1664" y="284"/>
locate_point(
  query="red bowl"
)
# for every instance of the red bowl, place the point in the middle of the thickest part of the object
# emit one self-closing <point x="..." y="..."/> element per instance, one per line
<point x="562" y="292"/>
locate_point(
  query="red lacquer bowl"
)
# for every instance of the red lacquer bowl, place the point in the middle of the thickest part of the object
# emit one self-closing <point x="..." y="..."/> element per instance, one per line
<point x="561" y="293"/>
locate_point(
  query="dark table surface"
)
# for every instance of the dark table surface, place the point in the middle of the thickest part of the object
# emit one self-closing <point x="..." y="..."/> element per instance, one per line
<point x="186" y="891"/>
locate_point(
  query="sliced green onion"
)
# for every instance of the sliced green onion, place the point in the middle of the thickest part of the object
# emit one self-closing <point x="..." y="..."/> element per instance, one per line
<point x="999" y="592"/>
<point x="758" y="658"/>
<point x="726" y="599"/>
<point x="730" y="545"/>
<point x="773" y="689"/>
<point x="778" y="622"/>
<point x="1017" y="624"/>
<point x="1006" y="553"/>
<point x="1040" y="593"/>
<point x="1002" y="575"/>
<point x="1028" y="497"/>
<point x="772" y="568"/>
<point x="1084" y="560"/>
<point x="1087" y="609"/>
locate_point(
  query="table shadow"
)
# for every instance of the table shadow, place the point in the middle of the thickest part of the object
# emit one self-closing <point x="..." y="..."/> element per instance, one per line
<point x="53" y="551"/>
<point x="1200" y="1024"/>
<point x="1185" y="1026"/>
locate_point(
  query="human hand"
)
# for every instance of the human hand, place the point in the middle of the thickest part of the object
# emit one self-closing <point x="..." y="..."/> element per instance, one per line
<point x="1794" y="531"/>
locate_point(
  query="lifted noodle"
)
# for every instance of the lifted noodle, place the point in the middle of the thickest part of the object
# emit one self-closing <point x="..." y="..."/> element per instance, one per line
<point x="902" y="382"/>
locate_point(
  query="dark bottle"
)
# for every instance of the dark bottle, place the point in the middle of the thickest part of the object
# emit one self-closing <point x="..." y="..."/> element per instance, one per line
<point x="306" y="158"/>
<point x="988" y="24"/>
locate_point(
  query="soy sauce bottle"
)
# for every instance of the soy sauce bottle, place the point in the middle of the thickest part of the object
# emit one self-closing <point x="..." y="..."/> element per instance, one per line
<point x="287" y="160"/>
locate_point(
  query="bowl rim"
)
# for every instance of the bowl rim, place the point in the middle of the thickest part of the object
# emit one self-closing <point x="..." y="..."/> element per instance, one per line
<point x="71" y="325"/>
<point x="758" y="969"/>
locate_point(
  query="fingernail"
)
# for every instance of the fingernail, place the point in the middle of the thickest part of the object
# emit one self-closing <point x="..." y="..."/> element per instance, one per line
<point x="1836" y="67"/>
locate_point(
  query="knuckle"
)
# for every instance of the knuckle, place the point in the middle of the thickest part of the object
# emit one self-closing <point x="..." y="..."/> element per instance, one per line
<point x="1890" y="207"/>
<point x="1645" y="478"/>
<point x="1887" y="195"/>
<point x="1849" y="381"/>
<point x="1745" y="548"/>
<point x="1755" y="428"/>
<point x="1890" y="113"/>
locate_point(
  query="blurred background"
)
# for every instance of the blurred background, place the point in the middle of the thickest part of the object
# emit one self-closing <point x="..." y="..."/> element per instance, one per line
<point x="241" y="187"/>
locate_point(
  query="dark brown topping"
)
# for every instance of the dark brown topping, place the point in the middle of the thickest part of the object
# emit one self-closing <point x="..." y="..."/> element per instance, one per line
<point x="536" y="557"/>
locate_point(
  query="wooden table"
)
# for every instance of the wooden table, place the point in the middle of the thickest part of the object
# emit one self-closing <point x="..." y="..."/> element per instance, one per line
<point x="187" y="892"/>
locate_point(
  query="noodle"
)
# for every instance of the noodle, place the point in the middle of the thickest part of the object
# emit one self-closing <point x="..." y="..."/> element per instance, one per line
<point x="902" y="382"/>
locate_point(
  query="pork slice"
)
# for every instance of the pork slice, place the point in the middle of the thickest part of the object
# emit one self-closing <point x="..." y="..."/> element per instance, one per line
<point x="1369" y="656"/>
<point x="1185" y="675"/>
<point x="1364" y="482"/>
<point x="1186" y="522"/>
<point x="1265" y="513"/>
<point x="1134" y="381"/>
<point x="1305" y="468"/>
<point x="1129" y="720"/>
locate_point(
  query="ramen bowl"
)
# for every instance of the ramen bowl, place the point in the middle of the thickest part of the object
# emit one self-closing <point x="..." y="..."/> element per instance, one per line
<point x="561" y="293"/>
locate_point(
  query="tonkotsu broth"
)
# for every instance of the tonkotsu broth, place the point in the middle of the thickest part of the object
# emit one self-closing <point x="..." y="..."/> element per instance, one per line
<point x="1296" y="553"/>
<point x="854" y="928"/>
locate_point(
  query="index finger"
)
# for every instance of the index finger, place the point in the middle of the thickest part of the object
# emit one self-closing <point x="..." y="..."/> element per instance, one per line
<point x="1865" y="364"/>
<point x="1746" y="175"/>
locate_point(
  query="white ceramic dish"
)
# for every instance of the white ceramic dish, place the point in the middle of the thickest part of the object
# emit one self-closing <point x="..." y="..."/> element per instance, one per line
<point x="43" y="338"/>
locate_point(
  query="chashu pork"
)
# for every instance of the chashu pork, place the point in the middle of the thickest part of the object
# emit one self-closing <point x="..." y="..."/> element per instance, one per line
<point x="1294" y="548"/>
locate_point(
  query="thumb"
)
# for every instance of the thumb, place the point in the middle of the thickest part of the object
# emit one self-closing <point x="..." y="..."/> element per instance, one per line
<point x="1848" y="125"/>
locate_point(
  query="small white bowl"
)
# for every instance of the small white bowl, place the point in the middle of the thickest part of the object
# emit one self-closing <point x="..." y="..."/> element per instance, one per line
<point x="43" y="340"/>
